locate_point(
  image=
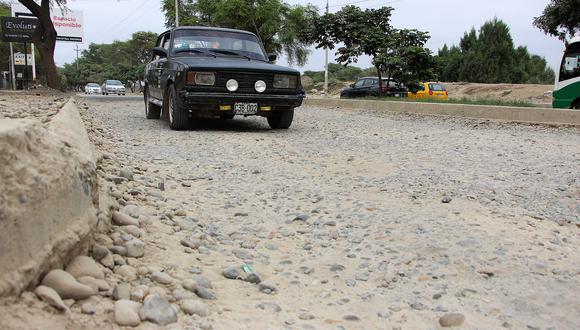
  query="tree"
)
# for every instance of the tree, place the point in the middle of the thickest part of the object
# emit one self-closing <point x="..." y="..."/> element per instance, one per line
<point x="4" y="48"/>
<point x="560" y="18"/>
<point x="490" y="57"/>
<point x="279" y="25"/>
<point x="123" y="60"/>
<point x="45" y="40"/>
<point x="404" y="58"/>
<point x="369" y="32"/>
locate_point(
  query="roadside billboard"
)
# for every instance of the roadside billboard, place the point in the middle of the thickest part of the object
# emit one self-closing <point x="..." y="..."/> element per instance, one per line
<point x="67" y="23"/>
<point x="18" y="29"/>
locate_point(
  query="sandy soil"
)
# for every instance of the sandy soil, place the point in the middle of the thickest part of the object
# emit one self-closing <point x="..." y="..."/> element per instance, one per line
<point x="537" y="94"/>
<point x="38" y="104"/>
<point x="352" y="219"/>
<point x="541" y="94"/>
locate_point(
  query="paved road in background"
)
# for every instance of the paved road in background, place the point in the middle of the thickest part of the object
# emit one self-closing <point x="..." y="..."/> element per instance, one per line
<point x="362" y="219"/>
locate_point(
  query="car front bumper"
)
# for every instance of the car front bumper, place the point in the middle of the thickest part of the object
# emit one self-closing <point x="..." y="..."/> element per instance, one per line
<point x="213" y="100"/>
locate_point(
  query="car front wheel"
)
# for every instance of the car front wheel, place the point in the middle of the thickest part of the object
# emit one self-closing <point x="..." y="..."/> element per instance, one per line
<point x="177" y="117"/>
<point x="281" y="119"/>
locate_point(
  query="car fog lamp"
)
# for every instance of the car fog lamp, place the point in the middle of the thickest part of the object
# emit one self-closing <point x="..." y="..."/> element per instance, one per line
<point x="232" y="85"/>
<point x="260" y="86"/>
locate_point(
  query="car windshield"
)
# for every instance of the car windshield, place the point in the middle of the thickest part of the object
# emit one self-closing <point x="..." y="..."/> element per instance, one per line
<point x="217" y="43"/>
<point x="93" y="85"/>
<point x="114" y="82"/>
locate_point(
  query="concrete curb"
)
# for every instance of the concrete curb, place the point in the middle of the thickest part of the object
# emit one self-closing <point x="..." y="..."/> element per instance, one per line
<point x="500" y="113"/>
<point x="47" y="205"/>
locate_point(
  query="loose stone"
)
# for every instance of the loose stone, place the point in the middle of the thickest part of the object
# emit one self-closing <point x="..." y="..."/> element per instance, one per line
<point x="51" y="297"/>
<point x="66" y="285"/>
<point x="162" y="278"/>
<point x="194" y="307"/>
<point x="451" y="320"/>
<point x="127" y="313"/>
<point x="158" y="310"/>
<point x="85" y="266"/>
<point x="121" y="219"/>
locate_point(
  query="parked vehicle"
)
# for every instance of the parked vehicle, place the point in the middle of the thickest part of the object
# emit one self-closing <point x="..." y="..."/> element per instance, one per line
<point x="113" y="87"/>
<point x="430" y="90"/>
<point x="215" y="72"/>
<point x="567" y="88"/>
<point x="369" y="86"/>
<point x="93" y="88"/>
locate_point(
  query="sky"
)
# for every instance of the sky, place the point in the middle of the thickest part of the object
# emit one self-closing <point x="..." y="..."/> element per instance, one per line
<point x="445" y="20"/>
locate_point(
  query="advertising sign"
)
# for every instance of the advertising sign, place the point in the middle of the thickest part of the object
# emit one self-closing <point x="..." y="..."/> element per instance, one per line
<point x="18" y="29"/>
<point x="67" y="23"/>
<point x="19" y="59"/>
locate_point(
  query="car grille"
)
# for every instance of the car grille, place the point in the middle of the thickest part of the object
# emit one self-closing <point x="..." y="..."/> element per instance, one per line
<point x="246" y="81"/>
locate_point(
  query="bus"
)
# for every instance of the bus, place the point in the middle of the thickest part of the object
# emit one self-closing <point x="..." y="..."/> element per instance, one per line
<point x="567" y="88"/>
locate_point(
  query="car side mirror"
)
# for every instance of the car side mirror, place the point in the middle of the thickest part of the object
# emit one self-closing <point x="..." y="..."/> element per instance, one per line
<point x="272" y="57"/>
<point x="159" y="51"/>
<point x="351" y="85"/>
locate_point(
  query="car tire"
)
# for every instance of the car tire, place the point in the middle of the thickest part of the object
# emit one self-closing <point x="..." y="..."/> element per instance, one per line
<point x="177" y="118"/>
<point x="281" y="119"/>
<point x="152" y="111"/>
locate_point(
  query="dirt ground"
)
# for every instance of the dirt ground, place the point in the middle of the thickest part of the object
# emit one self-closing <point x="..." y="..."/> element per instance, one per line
<point x="350" y="219"/>
<point x="537" y="94"/>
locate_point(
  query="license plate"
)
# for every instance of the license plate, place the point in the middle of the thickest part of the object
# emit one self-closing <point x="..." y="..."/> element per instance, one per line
<point x="245" y="108"/>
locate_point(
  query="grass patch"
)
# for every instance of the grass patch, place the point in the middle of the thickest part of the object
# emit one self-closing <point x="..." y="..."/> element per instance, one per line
<point x="464" y="100"/>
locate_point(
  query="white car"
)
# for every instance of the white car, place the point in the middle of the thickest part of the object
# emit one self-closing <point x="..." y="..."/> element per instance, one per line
<point x="92" y="88"/>
<point x="112" y="87"/>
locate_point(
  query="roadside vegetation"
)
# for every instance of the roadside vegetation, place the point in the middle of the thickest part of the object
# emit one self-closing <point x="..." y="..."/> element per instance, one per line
<point x="122" y="60"/>
<point x="489" y="56"/>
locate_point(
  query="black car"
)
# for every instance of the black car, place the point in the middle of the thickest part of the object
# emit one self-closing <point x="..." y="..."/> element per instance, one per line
<point x="369" y="86"/>
<point x="215" y="72"/>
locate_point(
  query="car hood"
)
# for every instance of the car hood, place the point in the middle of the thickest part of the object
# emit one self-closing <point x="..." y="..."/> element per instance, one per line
<point x="115" y="86"/>
<point x="235" y="63"/>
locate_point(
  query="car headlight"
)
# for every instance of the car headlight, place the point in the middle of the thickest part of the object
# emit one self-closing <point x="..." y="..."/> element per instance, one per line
<point x="232" y="85"/>
<point x="285" y="81"/>
<point x="200" y="78"/>
<point x="260" y="86"/>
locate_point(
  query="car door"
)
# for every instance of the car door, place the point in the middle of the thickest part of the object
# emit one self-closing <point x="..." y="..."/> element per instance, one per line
<point x="156" y="70"/>
<point x="369" y="88"/>
<point x="357" y="88"/>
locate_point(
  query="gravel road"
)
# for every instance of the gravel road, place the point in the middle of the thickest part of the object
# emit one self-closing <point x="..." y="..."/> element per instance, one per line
<point x="359" y="219"/>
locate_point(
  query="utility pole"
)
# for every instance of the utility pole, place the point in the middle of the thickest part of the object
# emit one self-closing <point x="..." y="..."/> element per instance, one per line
<point x="325" y="63"/>
<point x="77" y="61"/>
<point x="176" y="13"/>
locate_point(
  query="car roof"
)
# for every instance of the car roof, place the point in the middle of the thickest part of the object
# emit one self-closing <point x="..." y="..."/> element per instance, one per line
<point x="375" y="78"/>
<point x="208" y="28"/>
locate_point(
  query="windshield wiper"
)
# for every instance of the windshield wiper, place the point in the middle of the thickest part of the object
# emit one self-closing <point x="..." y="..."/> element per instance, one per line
<point x="229" y="52"/>
<point x="188" y="50"/>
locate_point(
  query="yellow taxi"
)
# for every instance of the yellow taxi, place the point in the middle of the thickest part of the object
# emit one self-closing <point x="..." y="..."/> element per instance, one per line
<point x="430" y="90"/>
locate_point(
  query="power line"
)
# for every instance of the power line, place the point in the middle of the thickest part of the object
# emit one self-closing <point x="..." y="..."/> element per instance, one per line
<point x="138" y="17"/>
<point x="112" y="28"/>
